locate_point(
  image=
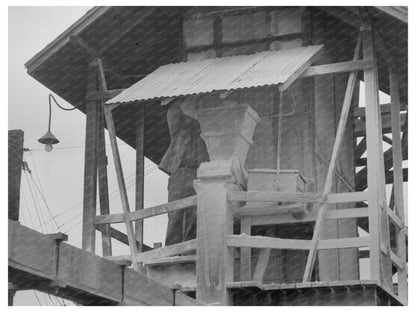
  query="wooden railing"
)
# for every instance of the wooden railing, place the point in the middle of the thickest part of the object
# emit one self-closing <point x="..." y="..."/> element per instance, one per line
<point x="163" y="252"/>
<point x="245" y="241"/>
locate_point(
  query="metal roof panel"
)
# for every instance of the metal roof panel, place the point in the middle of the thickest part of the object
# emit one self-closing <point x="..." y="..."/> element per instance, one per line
<point x="217" y="74"/>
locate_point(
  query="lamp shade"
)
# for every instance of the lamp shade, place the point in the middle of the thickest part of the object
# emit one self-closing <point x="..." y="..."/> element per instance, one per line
<point x="48" y="139"/>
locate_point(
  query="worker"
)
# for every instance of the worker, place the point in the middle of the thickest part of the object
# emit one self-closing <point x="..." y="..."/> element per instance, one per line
<point x="186" y="152"/>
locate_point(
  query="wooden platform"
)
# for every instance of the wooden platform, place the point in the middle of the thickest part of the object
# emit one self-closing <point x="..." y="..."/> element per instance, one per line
<point x="45" y="263"/>
<point x="336" y="293"/>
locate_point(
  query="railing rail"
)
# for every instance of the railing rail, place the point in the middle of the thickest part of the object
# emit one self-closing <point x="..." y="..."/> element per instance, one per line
<point x="148" y="212"/>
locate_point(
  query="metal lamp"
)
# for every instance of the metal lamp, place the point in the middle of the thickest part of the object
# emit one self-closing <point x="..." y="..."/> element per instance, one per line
<point x="48" y="138"/>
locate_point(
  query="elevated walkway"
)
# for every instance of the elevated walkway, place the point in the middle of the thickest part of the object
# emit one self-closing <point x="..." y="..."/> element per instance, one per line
<point x="44" y="262"/>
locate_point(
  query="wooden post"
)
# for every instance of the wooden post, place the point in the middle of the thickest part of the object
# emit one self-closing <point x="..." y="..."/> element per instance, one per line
<point x="90" y="165"/>
<point x="263" y="260"/>
<point x="397" y="142"/>
<point x="122" y="186"/>
<point x="216" y="178"/>
<point x="398" y="177"/>
<point x="102" y="163"/>
<point x="11" y="294"/>
<point x="139" y="172"/>
<point x="214" y="264"/>
<point x="320" y="219"/>
<point x="15" y="148"/>
<point x="103" y="183"/>
<point x="380" y="263"/>
<point x="245" y="253"/>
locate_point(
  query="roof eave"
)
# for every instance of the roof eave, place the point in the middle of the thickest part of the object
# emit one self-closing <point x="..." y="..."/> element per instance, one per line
<point x="64" y="38"/>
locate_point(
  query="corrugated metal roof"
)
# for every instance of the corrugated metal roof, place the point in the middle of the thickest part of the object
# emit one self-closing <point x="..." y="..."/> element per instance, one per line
<point x="227" y="73"/>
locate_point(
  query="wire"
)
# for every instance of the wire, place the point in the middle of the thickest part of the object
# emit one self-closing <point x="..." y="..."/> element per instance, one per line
<point x="285" y="114"/>
<point x="51" y="97"/>
<point x="150" y="168"/>
<point x="34" y="202"/>
<point x="27" y="207"/>
<point x="114" y="194"/>
<point x="67" y="147"/>
<point x="46" y="204"/>
<point x="37" y="298"/>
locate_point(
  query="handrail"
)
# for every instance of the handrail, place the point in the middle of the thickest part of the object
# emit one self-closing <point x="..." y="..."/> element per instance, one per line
<point x="166" y="251"/>
<point x="256" y="196"/>
<point x="148" y="212"/>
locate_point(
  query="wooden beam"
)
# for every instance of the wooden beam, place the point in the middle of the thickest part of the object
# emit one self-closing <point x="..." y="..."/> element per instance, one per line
<point x="398" y="178"/>
<point x="380" y="265"/>
<point x="347" y="213"/>
<point x="267" y="242"/>
<point x="162" y="252"/>
<point x="263" y="260"/>
<point x="351" y="197"/>
<point x="170" y="260"/>
<point x="78" y="41"/>
<point x="149" y="212"/>
<point x="309" y="217"/>
<point x="332" y="165"/>
<point x="336" y="68"/>
<point x="122" y="187"/>
<point x="245" y="253"/>
<point x="102" y="163"/>
<point x="78" y="27"/>
<point x="359" y="125"/>
<point x="298" y="72"/>
<point x="341" y="243"/>
<point x="139" y="204"/>
<point x="103" y="183"/>
<point x="359" y="112"/>
<point x="120" y="236"/>
<point x="90" y="165"/>
<point x="102" y="95"/>
<point x="398" y="221"/>
<point x="75" y="274"/>
<point x="255" y="196"/>
<point x="361" y="176"/>
<point x="270" y="210"/>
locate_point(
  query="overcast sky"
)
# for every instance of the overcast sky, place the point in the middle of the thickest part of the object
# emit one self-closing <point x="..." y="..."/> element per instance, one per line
<point x="59" y="174"/>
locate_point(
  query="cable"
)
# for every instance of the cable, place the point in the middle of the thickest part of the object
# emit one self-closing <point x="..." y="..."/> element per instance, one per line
<point x="37" y="298"/>
<point x="34" y="202"/>
<point x="27" y="207"/>
<point x="51" y="97"/>
<point x="39" y="188"/>
<point x="130" y="184"/>
<point x="68" y="147"/>
<point x="150" y="169"/>
<point x="46" y="204"/>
